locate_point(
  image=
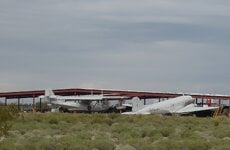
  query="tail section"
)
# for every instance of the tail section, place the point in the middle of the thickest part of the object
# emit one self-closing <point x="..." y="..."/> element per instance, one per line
<point x="49" y="93"/>
<point x="49" y="96"/>
<point x="137" y="104"/>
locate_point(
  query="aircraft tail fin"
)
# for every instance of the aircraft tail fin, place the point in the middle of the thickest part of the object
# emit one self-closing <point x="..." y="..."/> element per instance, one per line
<point x="137" y="104"/>
<point x="49" y="93"/>
<point x="49" y="96"/>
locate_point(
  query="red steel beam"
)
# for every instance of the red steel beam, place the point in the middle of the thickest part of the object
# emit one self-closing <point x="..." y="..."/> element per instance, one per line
<point x="142" y="95"/>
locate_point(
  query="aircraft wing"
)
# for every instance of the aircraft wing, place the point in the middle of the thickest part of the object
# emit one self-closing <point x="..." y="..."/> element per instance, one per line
<point x="193" y="108"/>
<point x="82" y="98"/>
<point x="136" y="113"/>
<point x="93" y="98"/>
<point x="127" y="105"/>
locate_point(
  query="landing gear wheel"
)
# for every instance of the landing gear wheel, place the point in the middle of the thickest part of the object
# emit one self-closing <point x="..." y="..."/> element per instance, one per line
<point x="89" y="109"/>
<point x="61" y="109"/>
<point x="225" y="111"/>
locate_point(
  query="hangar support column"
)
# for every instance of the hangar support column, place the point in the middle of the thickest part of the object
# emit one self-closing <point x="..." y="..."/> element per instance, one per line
<point x="40" y="105"/>
<point x="33" y="103"/>
<point x="229" y="108"/>
<point x="5" y="101"/>
<point x="144" y="101"/>
<point x="19" y="103"/>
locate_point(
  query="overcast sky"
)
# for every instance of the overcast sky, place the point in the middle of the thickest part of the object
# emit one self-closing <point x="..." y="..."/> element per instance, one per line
<point x="147" y="45"/>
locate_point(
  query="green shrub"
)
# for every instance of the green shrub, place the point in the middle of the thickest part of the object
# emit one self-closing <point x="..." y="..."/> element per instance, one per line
<point x="97" y="119"/>
<point x="113" y="116"/>
<point x="140" y="143"/>
<point x="195" y="144"/>
<point x="7" y="145"/>
<point x="216" y="123"/>
<point x="149" y="131"/>
<point x="186" y="133"/>
<point x="7" y="114"/>
<point x="105" y="131"/>
<point x="165" y="132"/>
<point x="102" y="144"/>
<point x="222" y="133"/>
<point x="53" y="121"/>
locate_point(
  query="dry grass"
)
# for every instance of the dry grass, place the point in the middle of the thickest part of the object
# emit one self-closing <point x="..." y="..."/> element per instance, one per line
<point x="114" y="131"/>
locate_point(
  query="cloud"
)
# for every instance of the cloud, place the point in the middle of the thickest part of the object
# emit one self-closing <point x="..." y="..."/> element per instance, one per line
<point x="140" y="45"/>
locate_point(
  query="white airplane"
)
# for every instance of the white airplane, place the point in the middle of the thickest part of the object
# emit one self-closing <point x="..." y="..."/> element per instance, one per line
<point x="178" y="105"/>
<point x="88" y="103"/>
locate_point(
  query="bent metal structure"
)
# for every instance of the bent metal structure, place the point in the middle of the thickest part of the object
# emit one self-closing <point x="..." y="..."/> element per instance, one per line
<point x="200" y="98"/>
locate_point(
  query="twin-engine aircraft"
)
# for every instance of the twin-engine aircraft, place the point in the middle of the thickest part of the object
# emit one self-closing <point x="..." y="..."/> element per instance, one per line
<point x="178" y="105"/>
<point x="83" y="103"/>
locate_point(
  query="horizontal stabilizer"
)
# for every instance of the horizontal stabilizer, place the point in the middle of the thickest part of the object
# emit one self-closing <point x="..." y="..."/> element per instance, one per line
<point x="193" y="108"/>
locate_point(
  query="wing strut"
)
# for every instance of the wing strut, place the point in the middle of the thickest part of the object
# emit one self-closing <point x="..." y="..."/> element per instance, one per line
<point x="218" y="111"/>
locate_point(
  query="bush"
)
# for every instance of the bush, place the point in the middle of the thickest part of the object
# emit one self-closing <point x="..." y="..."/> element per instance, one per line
<point x="165" y="132"/>
<point x="186" y="133"/>
<point x="141" y="144"/>
<point x="194" y="144"/>
<point x="216" y="123"/>
<point x="104" y="131"/>
<point x="113" y="115"/>
<point x="53" y="121"/>
<point x="102" y="144"/>
<point x="7" y="114"/>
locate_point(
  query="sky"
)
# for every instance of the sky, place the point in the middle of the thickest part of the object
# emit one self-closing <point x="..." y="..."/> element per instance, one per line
<point x="147" y="45"/>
